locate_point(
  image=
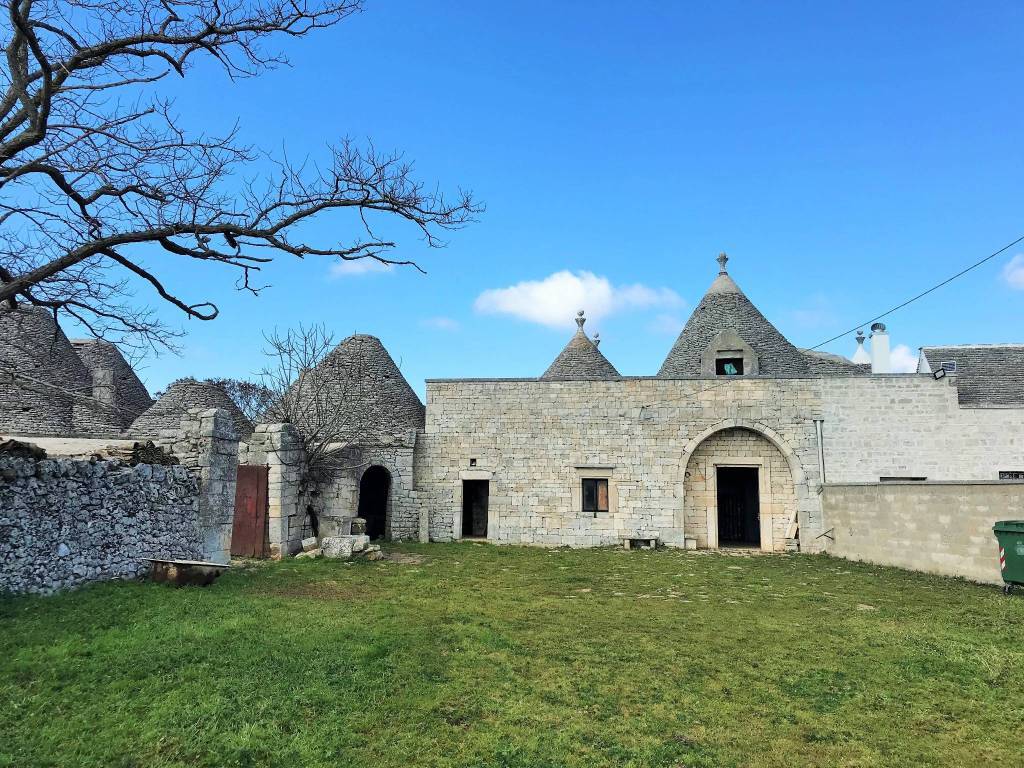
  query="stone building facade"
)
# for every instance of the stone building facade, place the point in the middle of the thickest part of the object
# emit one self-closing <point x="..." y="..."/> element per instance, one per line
<point x="737" y="417"/>
<point x="733" y="442"/>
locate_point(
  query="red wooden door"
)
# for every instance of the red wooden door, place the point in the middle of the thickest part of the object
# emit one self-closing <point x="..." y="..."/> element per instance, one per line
<point x="249" y="532"/>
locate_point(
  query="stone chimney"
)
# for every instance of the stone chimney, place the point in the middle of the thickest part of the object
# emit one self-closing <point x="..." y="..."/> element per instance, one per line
<point x="861" y="356"/>
<point x="103" y="386"/>
<point x="880" y="362"/>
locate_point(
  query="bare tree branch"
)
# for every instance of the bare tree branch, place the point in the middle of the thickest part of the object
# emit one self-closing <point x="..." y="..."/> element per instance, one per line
<point x="98" y="178"/>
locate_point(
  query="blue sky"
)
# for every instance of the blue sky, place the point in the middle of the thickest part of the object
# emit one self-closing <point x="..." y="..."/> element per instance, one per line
<point x="845" y="155"/>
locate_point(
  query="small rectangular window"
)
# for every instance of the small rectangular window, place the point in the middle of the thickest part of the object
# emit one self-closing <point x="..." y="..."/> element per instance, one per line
<point x="729" y="366"/>
<point x="908" y="479"/>
<point x="949" y="366"/>
<point x="595" y="494"/>
<point x="1011" y="475"/>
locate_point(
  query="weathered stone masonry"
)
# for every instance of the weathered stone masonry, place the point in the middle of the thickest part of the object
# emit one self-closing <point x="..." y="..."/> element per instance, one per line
<point x="534" y="437"/>
<point x="207" y="444"/>
<point x="65" y="522"/>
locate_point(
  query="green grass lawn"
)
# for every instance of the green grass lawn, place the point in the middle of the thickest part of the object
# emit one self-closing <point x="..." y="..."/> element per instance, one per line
<point x="487" y="656"/>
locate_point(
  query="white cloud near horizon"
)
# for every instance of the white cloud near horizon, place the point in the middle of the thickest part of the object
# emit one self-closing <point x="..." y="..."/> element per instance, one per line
<point x="358" y="267"/>
<point x="441" y="323"/>
<point x="1013" y="272"/>
<point x="903" y="359"/>
<point x="554" y="301"/>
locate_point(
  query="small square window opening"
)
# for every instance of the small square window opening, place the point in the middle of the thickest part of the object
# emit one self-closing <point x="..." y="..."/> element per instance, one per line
<point x="472" y="462"/>
<point x="729" y="366"/>
<point x="595" y="495"/>
<point x="949" y="366"/>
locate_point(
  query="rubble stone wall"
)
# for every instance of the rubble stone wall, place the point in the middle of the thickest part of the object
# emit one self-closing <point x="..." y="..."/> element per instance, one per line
<point x="65" y="522"/>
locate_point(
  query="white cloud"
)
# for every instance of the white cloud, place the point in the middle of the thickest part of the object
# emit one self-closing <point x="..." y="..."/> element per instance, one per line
<point x="1013" y="272"/>
<point x="440" y="323"/>
<point x="555" y="300"/>
<point x="903" y="359"/>
<point x="358" y="267"/>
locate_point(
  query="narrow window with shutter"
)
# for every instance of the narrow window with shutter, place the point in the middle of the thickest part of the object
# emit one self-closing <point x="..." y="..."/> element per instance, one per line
<point x="595" y="495"/>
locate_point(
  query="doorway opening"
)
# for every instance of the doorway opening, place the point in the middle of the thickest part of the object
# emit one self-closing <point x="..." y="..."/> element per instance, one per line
<point x="374" y="489"/>
<point x="739" y="518"/>
<point x="474" y="508"/>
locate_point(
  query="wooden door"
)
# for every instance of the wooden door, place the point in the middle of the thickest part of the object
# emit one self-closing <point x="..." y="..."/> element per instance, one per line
<point x="249" y="532"/>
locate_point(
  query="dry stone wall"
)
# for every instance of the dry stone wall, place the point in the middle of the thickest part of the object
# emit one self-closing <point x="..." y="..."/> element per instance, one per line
<point x="338" y="503"/>
<point x="65" y="522"/>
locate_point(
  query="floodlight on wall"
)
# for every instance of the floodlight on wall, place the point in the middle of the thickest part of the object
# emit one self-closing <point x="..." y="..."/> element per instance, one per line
<point x="939" y="374"/>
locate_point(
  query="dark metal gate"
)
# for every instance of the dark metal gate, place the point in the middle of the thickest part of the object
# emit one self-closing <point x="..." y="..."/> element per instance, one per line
<point x="249" y="532"/>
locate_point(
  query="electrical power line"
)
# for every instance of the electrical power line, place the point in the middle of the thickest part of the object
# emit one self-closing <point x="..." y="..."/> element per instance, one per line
<point x="935" y="287"/>
<point x="947" y="281"/>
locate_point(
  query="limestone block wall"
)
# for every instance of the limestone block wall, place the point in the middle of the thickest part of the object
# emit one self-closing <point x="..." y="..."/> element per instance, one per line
<point x="65" y="522"/>
<point x="912" y="425"/>
<point x="943" y="528"/>
<point x="207" y="444"/>
<point x="278" y="447"/>
<point x="338" y="502"/>
<point x="534" y="439"/>
<point x="739" y="447"/>
<point x="537" y="439"/>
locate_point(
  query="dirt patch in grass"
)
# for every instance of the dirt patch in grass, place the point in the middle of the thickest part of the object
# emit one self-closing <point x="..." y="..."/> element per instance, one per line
<point x="322" y="590"/>
<point x="404" y="558"/>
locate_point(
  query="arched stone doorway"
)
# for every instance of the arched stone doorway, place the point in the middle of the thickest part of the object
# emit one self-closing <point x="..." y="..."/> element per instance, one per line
<point x="738" y="490"/>
<point x="374" y="493"/>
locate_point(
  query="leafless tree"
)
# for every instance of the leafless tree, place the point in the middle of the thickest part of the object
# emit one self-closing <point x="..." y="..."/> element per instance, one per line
<point x="100" y="184"/>
<point x="252" y="398"/>
<point x="308" y="394"/>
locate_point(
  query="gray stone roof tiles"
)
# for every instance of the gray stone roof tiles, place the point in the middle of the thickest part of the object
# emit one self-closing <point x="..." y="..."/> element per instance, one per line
<point x="180" y="396"/>
<point x="988" y="375"/>
<point x="725" y="307"/>
<point x="581" y="360"/>
<point x="131" y="398"/>
<point x="361" y="379"/>
<point x="48" y="377"/>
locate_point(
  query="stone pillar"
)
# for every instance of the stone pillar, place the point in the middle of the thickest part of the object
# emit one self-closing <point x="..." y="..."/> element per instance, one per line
<point x="284" y="515"/>
<point x="207" y="444"/>
<point x="103" y="386"/>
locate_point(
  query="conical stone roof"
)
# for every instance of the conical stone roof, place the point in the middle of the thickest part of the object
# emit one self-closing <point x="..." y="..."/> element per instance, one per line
<point x="42" y="380"/>
<point x="725" y="307"/>
<point x="182" y="395"/>
<point x="131" y="398"/>
<point x="581" y="360"/>
<point x="360" y="381"/>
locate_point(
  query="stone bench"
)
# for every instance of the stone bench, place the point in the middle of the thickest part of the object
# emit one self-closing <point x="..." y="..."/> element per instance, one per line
<point x="639" y="541"/>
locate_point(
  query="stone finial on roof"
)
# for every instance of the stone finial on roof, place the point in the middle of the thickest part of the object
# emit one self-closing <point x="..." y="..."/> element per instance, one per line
<point x="581" y="360"/>
<point x="861" y="356"/>
<point x="722" y="260"/>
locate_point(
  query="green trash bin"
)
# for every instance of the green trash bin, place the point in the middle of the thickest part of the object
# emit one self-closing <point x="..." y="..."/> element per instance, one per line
<point x="1010" y="535"/>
